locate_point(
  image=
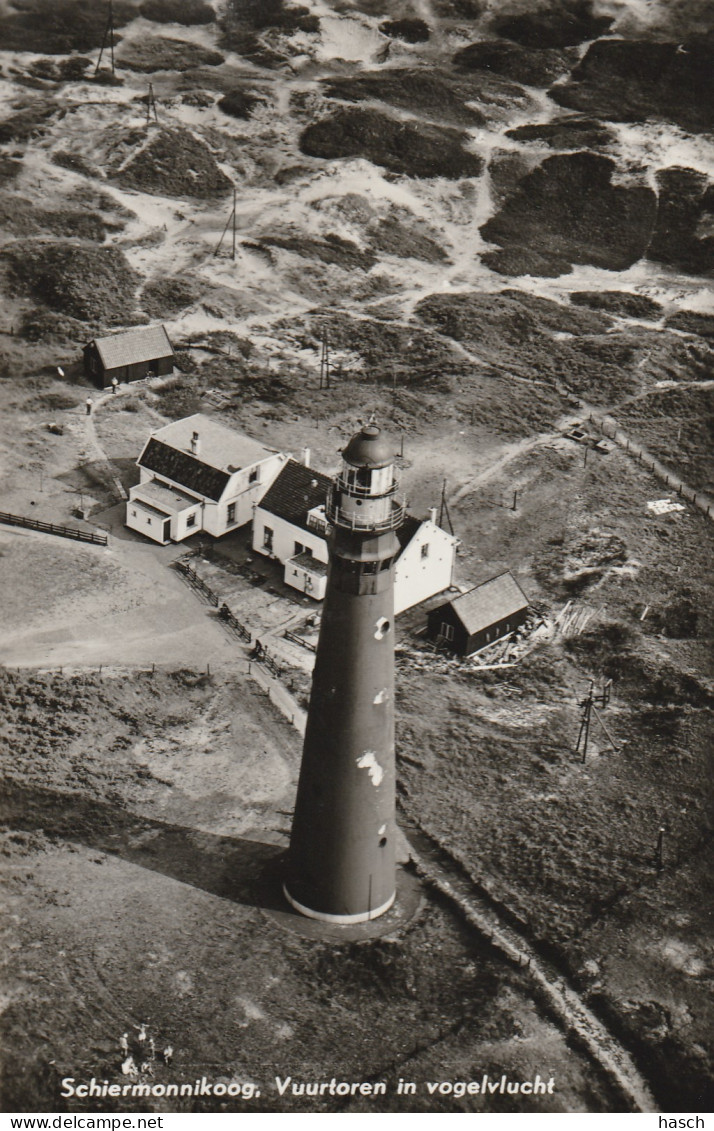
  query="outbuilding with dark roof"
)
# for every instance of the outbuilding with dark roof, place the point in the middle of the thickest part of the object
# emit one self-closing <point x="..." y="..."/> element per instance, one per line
<point x="129" y="356"/>
<point x="479" y="617"/>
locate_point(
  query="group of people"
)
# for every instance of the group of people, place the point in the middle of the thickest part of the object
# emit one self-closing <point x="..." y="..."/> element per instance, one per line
<point x="140" y="1056"/>
<point x="89" y="402"/>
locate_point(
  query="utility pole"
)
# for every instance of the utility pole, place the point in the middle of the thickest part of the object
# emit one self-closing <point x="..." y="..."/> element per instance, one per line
<point x="444" y="509"/>
<point x="151" y="105"/>
<point x="233" y="254"/>
<point x="588" y="708"/>
<point x="108" y="33"/>
<point x="584" y="732"/>
<point x="325" y="360"/>
<point x="659" y="851"/>
<point x="230" y="221"/>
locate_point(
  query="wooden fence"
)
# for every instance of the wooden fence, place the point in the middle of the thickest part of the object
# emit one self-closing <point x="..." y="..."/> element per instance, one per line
<point x="198" y="583"/>
<point x="300" y="640"/>
<point x="232" y="621"/>
<point x="611" y="429"/>
<point x="51" y="528"/>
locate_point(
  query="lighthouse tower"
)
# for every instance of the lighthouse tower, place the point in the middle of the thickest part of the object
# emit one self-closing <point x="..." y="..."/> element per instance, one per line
<point x="341" y="865"/>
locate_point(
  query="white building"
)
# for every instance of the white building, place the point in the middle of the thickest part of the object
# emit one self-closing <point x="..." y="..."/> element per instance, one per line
<point x="289" y="525"/>
<point x="198" y="475"/>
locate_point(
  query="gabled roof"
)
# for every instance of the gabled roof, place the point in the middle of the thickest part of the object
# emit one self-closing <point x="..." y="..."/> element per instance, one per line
<point x="133" y="346"/>
<point x="407" y="530"/>
<point x="207" y="472"/>
<point x="294" y="492"/>
<point x="185" y="469"/>
<point x="489" y="603"/>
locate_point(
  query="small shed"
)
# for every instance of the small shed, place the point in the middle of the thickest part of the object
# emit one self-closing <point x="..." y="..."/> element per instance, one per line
<point x="481" y="616"/>
<point x="129" y="356"/>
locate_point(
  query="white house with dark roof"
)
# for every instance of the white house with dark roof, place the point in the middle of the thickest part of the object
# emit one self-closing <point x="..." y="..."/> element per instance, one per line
<point x="199" y="475"/>
<point x="129" y="356"/>
<point x="289" y="524"/>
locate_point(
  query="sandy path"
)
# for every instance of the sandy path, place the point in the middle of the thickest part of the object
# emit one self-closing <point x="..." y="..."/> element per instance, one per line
<point x="141" y="614"/>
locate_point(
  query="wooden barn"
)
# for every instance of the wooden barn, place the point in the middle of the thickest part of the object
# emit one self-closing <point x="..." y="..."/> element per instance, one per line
<point x="129" y="356"/>
<point x="481" y="616"/>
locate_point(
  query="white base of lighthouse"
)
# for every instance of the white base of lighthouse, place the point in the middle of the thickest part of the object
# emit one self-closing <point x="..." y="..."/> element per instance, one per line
<point x="361" y="917"/>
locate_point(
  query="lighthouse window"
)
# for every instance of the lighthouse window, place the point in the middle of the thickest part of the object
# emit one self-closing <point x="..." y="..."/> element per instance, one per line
<point x="382" y="842"/>
<point x="425" y="550"/>
<point x="382" y="628"/>
<point x="364" y="477"/>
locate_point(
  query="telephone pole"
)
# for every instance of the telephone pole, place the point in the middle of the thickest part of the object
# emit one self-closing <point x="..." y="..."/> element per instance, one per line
<point x="151" y="105"/>
<point x="230" y="221"/>
<point x="325" y="360"/>
<point x="108" y="34"/>
<point x="589" y="709"/>
<point x="444" y="509"/>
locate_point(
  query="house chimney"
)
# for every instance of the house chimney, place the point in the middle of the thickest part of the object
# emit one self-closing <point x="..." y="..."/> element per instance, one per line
<point x="195" y="443"/>
<point x="432" y="515"/>
<point x="306" y="457"/>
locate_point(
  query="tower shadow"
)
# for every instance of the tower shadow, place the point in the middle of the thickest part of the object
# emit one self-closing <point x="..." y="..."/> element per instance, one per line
<point x="234" y="868"/>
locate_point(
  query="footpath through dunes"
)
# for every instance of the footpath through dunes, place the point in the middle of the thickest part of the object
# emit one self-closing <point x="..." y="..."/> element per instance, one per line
<point x="548" y="983"/>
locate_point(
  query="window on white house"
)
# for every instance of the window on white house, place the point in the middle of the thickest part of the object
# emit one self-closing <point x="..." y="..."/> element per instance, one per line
<point x="425" y="550"/>
<point x="267" y="538"/>
<point x="148" y="522"/>
<point x="254" y="475"/>
<point x="133" y="514"/>
<point x="191" y="520"/>
<point x="447" y="631"/>
<point x="231" y="515"/>
<point x="299" y="549"/>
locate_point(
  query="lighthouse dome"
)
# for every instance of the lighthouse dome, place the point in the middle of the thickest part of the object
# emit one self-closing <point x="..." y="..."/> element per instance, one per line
<point x="369" y="448"/>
